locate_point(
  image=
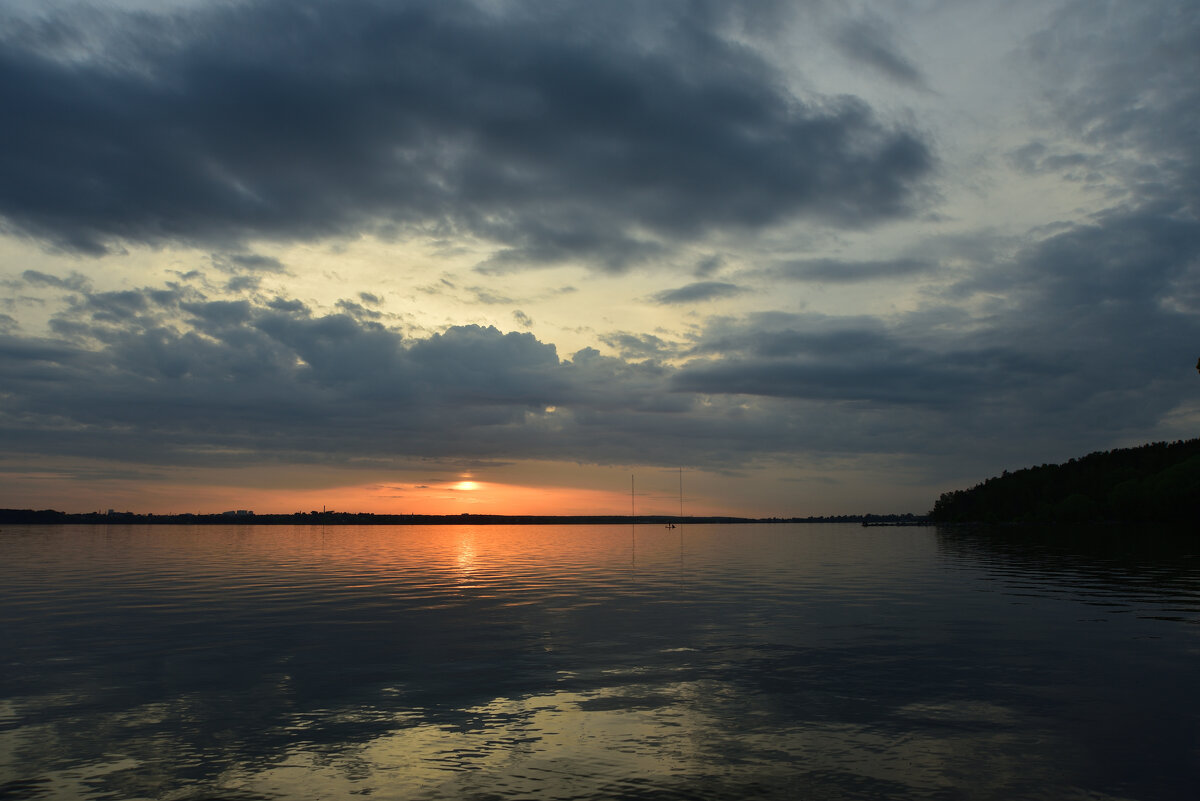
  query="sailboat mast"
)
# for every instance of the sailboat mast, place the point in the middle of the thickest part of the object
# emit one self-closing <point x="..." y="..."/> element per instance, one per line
<point x="681" y="495"/>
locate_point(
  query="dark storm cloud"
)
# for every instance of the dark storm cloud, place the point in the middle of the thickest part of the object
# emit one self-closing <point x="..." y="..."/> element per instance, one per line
<point x="176" y="380"/>
<point x="34" y="353"/>
<point x="698" y="292"/>
<point x="1091" y="337"/>
<point x="871" y="43"/>
<point x="834" y="271"/>
<point x="1128" y="261"/>
<point x="1118" y="300"/>
<point x="850" y="359"/>
<point x="605" y="133"/>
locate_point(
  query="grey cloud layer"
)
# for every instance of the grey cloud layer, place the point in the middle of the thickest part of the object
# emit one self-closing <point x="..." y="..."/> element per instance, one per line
<point x="1124" y="81"/>
<point x="698" y="292"/>
<point x="173" y="378"/>
<point x="1094" y="341"/>
<point x="1099" y="342"/>
<point x="847" y="272"/>
<point x="552" y="132"/>
<point x="870" y="42"/>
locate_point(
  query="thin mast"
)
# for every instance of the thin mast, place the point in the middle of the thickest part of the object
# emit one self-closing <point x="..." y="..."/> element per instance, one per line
<point x="681" y="495"/>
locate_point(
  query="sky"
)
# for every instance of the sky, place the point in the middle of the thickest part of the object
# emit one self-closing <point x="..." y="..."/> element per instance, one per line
<point x="443" y="256"/>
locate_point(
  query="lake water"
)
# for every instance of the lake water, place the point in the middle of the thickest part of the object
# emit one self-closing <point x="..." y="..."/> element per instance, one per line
<point x="588" y="662"/>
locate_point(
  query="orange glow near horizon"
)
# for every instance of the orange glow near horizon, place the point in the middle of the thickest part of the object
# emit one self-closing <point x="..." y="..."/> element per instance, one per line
<point x="529" y="489"/>
<point x="479" y="497"/>
<point x="449" y="498"/>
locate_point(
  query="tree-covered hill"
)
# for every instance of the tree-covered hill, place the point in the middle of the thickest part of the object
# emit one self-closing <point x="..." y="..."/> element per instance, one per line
<point x="1159" y="481"/>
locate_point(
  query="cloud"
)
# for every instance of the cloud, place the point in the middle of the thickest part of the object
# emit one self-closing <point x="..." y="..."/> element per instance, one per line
<point x="75" y="282"/>
<point x="1089" y="349"/>
<point x="1125" y="80"/>
<point x="709" y="266"/>
<point x="835" y="271"/>
<point x="243" y="283"/>
<point x="1035" y="158"/>
<point x="552" y="132"/>
<point x="864" y="366"/>
<point x="698" y="292"/>
<point x="1089" y="334"/>
<point x="638" y="346"/>
<point x="614" y="135"/>
<point x="357" y="310"/>
<point x="840" y="359"/>
<point x="487" y="296"/>
<point x="177" y="380"/>
<point x="870" y="42"/>
<point x="247" y="262"/>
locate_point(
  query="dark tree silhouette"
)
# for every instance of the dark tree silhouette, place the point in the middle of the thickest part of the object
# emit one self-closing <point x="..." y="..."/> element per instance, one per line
<point x="1159" y="481"/>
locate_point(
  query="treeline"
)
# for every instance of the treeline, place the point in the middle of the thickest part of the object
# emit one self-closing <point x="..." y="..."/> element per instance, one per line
<point x="1157" y="482"/>
<point x="331" y="518"/>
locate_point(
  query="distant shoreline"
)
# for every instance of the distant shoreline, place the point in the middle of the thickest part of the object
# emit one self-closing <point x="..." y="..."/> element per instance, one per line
<point x="53" y="517"/>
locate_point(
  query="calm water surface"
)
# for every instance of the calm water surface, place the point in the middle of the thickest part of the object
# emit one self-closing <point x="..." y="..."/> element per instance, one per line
<point x="585" y="662"/>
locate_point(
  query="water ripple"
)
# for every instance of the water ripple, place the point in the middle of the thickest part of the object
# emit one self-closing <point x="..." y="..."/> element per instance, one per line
<point x="594" y="662"/>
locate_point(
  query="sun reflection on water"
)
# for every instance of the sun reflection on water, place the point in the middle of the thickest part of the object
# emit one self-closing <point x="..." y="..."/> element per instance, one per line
<point x="465" y="555"/>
